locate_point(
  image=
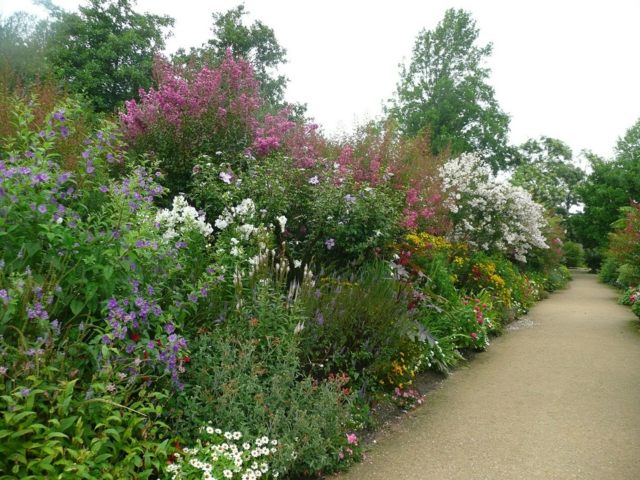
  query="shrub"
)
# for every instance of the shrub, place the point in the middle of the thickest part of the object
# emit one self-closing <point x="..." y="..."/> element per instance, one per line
<point x="609" y="270"/>
<point x="489" y="214"/>
<point x="246" y="375"/>
<point x="574" y="255"/>
<point x="593" y="259"/>
<point x="359" y="326"/>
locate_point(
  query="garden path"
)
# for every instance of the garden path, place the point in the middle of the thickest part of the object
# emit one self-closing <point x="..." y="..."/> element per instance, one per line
<point x="557" y="397"/>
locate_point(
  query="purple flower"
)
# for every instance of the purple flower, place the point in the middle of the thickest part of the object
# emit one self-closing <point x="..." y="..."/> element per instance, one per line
<point x="106" y="340"/>
<point x="29" y="154"/>
<point x="203" y="292"/>
<point x="226" y="177"/>
<point x="90" y="167"/>
<point x="64" y="131"/>
<point x="151" y="344"/>
<point x="192" y="298"/>
<point x="4" y="295"/>
<point x="59" y="115"/>
<point x="169" y="328"/>
<point x="42" y="208"/>
<point x="24" y="392"/>
<point x="103" y="188"/>
<point x="86" y="154"/>
<point x="330" y="243"/>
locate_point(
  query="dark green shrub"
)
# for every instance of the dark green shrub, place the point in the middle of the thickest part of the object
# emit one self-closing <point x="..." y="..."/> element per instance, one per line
<point x="574" y="255"/>
<point x="593" y="259"/>
<point x="609" y="270"/>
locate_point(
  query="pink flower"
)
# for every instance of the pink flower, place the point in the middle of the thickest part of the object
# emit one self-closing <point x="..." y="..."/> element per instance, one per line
<point x="352" y="439"/>
<point x="474" y="335"/>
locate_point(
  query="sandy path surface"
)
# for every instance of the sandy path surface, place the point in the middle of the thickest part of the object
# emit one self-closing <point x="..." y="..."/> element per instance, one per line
<point x="557" y="397"/>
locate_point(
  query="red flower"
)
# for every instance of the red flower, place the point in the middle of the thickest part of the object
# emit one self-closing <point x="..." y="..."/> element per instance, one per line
<point x="135" y="337"/>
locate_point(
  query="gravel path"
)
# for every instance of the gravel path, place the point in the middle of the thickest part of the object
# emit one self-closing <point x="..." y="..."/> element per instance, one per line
<point x="557" y="397"/>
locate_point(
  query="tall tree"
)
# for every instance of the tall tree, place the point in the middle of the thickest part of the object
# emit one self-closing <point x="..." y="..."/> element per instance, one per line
<point x="445" y="91"/>
<point x="546" y="169"/>
<point x="255" y="43"/>
<point x="23" y="40"/>
<point x="610" y="186"/>
<point x="106" y="50"/>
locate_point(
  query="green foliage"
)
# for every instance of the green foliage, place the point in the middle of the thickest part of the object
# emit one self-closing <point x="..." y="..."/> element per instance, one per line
<point x="246" y="374"/>
<point x="574" y="255"/>
<point x="106" y="50"/>
<point x="546" y="171"/>
<point x="52" y="427"/>
<point x="609" y="270"/>
<point x="23" y="42"/>
<point x="358" y="325"/>
<point x="445" y="91"/>
<point x="610" y="186"/>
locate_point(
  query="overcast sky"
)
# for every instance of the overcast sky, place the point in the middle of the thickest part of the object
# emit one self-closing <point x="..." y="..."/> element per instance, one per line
<point x="568" y="69"/>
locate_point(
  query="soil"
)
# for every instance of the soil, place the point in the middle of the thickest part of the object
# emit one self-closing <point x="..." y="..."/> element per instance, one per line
<point x="557" y="397"/>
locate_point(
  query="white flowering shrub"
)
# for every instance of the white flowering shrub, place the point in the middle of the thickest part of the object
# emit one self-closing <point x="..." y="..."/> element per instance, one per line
<point x="488" y="213"/>
<point x="221" y="455"/>
<point x="180" y="219"/>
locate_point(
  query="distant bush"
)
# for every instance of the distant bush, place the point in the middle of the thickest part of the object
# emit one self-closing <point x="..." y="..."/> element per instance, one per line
<point x="574" y="255"/>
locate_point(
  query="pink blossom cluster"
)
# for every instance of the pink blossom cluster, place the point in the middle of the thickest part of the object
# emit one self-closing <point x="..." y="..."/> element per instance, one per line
<point x="230" y="90"/>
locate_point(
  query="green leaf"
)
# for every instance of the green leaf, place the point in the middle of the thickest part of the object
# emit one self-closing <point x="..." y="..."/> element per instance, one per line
<point x="76" y="306"/>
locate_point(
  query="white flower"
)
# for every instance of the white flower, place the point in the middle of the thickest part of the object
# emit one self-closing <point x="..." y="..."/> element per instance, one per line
<point x="282" y="220"/>
<point x="221" y="223"/>
<point x="237" y="435"/>
<point x="297" y="263"/>
<point x="210" y="430"/>
<point x="225" y="177"/>
<point x="235" y="251"/>
<point x="314" y="180"/>
<point x="247" y="229"/>
<point x="227" y="473"/>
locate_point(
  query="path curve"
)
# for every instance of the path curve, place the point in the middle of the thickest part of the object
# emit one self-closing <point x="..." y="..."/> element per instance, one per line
<point x="556" y="399"/>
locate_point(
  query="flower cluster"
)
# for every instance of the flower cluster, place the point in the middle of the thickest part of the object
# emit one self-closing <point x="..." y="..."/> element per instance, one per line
<point x="131" y="326"/>
<point x="180" y="219"/>
<point x="488" y="213"/>
<point x="220" y="455"/>
<point x="229" y="91"/>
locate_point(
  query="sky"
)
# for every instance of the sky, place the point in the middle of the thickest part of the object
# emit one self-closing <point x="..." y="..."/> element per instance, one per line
<point x="563" y="69"/>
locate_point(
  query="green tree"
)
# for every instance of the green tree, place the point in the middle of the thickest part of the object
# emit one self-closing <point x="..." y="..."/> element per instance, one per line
<point x="23" y="41"/>
<point x="546" y="169"/>
<point x="444" y="91"/>
<point x="610" y="186"/>
<point x="255" y="43"/>
<point x="106" y="50"/>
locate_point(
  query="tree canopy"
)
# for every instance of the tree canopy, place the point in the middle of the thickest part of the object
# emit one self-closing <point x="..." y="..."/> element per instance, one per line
<point x="255" y="43"/>
<point x="23" y="41"/>
<point x="611" y="186"/>
<point x="106" y="50"/>
<point x="445" y="91"/>
<point x="546" y="169"/>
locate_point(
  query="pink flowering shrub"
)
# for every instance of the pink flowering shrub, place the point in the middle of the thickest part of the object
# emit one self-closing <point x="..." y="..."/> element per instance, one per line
<point x="192" y="113"/>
